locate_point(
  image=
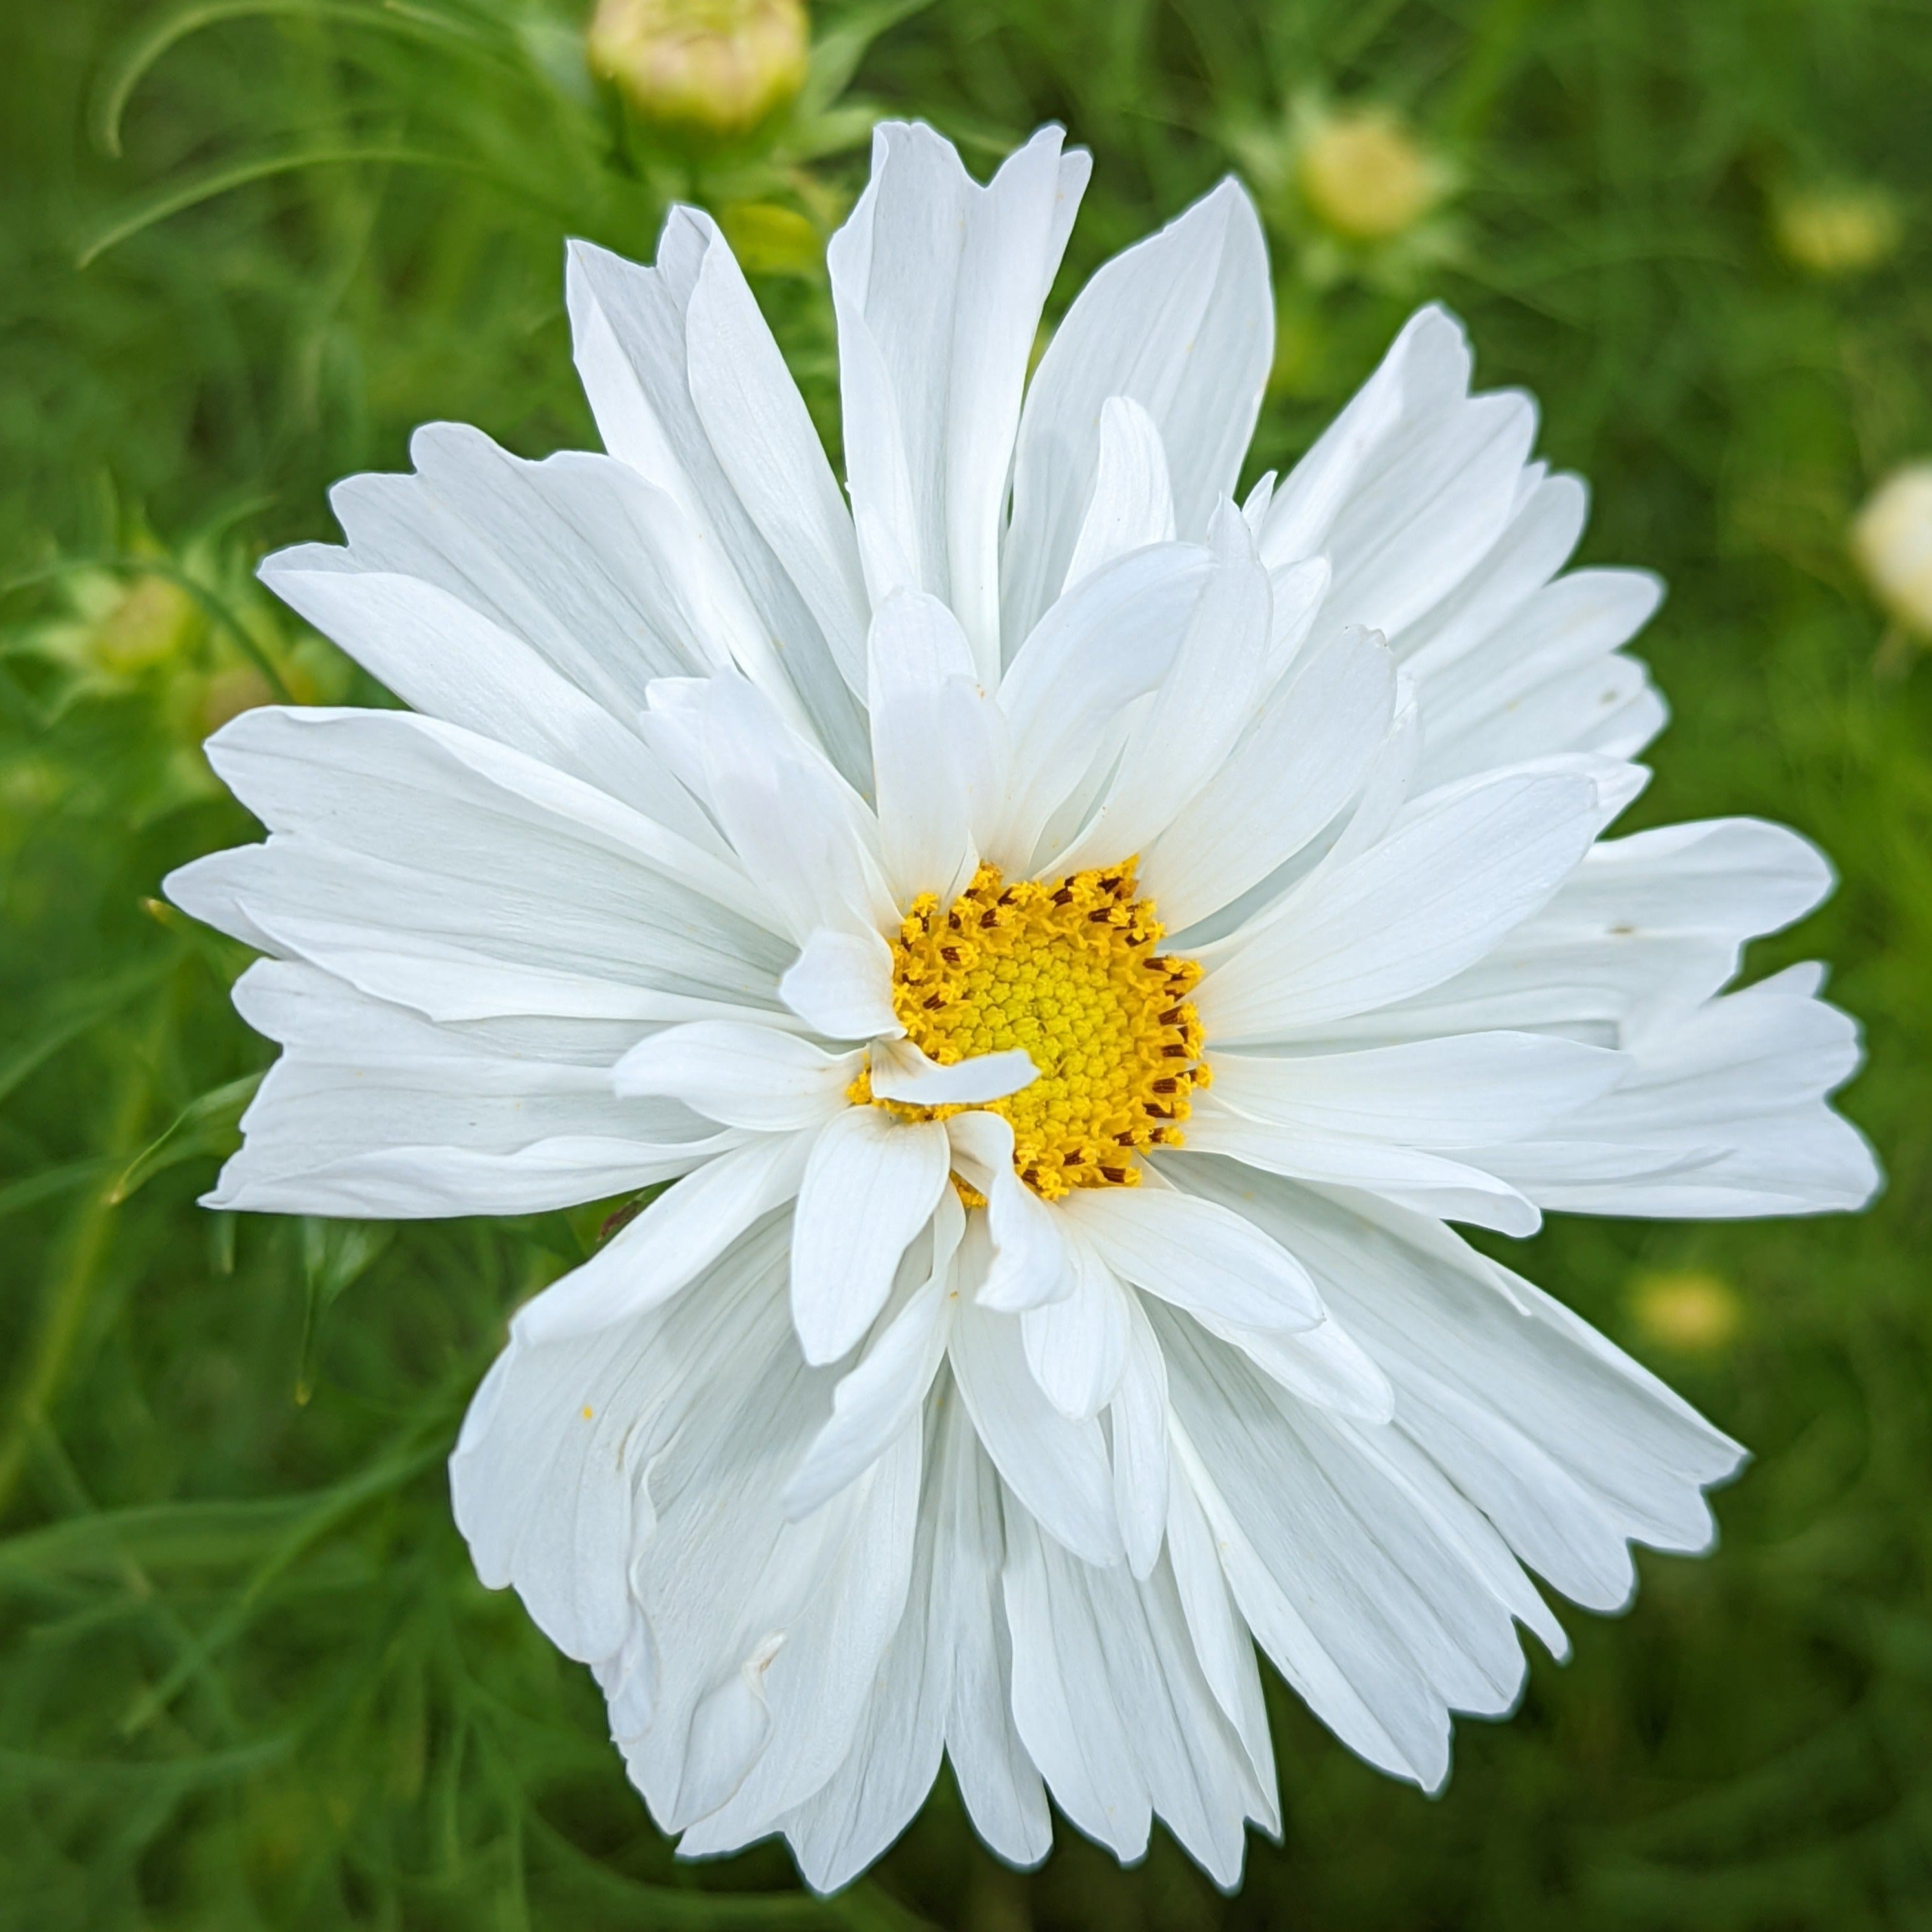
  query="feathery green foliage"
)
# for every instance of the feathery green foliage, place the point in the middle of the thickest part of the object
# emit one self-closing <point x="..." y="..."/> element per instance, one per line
<point x="247" y="1679"/>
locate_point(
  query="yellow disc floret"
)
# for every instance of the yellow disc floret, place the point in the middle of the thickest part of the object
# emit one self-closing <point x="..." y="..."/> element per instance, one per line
<point x="1070" y="971"/>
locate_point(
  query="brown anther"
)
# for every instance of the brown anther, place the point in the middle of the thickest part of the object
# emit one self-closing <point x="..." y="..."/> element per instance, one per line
<point x="950" y="954"/>
<point x="1174" y="1050"/>
<point x="1116" y="1174"/>
<point x="934" y="1002"/>
<point x="991" y="916"/>
<point x="1063" y="897"/>
<point x="1167" y="1086"/>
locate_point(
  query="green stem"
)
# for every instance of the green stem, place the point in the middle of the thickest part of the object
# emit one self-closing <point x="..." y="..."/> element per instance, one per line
<point x="70" y="1294"/>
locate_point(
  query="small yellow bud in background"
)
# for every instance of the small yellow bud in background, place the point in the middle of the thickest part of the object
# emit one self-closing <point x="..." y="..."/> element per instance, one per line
<point x="1688" y="1310"/>
<point x="1363" y="175"/>
<point x="154" y="620"/>
<point x="1891" y="538"/>
<point x="1836" y="231"/>
<point x="720" y="66"/>
<point x="770" y="239"/>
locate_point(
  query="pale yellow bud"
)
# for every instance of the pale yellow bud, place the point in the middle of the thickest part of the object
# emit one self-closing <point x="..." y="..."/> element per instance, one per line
<point x="1687" y="1310"/>
<point x="1836" y="231"/>
<point x="718" y="65"/>
<point x="1891" y="538"/>
<point x="154" y="621"/>
<point x="1362" y="174"/>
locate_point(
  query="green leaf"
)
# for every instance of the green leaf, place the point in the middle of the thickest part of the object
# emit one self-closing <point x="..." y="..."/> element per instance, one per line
<point x="209" y="1125"/>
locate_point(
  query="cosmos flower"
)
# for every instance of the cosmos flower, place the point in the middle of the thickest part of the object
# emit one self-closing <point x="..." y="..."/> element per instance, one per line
<point x="1080" y="944"/>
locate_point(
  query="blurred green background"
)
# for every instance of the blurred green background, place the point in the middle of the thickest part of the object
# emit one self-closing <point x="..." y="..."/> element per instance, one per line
<point x="247" y="1678"/>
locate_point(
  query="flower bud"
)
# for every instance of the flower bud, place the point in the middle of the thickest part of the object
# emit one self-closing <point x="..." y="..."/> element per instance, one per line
<point x="1364" y="175"/>
<point x="154" y="620"/>
<point x="718" y="66"/>
<point x="1891" y="538"/>
<point x="1687" y="1310"/>
<point x="1836" y="231"/>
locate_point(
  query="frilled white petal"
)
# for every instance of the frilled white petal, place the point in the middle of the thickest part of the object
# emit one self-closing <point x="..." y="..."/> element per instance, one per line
<point x="1431" y="1183"/>
<point x="1467" y="1090"/>
<point x="1182" y="323"/>
<point x="1057" y="1467"/>
<point x="1465" y="865"/>
<point x="939" y="747"/>
<point x="739" y="1076"/>
<point x="902" y="1071"/>
<point x="1196" y="1254"/>
<point x="841" y="985"/>
<point x="1113" y="1706"/>
<point x="1077" y="1346"/>
<point x="1569" y="1447"/>
<point x="869" y="1187"/>
<point x="1725" y="1114"/>
<point x="1426" y="367"/>
<point x="943" y="1681"/>
<point x="1030" y="1263"/>
<point x="938" y="284"/>
<point x="803" y="835"/>
<point x="449" y="660"/>
<point x="374" y="1110"/>
<point x="1133" y="503"/>
<point x="671" y="1242"/>
<point x="429" y="866"/>
<point x="1304" y="755"/>
<point x="632" y="329"/>
<point x="1137" y="1419"/>
<point x="1109" y="641"/>
<point x="883" y="1394"/>
<point x="1201" y="707"/>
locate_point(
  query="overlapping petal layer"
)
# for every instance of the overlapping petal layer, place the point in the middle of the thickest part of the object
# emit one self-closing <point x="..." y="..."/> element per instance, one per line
<point x="853" y="1448"/>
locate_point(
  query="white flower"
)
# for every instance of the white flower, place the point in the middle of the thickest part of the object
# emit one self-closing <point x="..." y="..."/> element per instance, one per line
<point x="990" y="1380"/>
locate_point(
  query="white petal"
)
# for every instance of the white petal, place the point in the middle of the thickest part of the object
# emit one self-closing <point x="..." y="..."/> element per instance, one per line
<point x="1466" y="865"/>
<point x="1222" y="1641"/>
<point x="1430" y="1182"/>
<point x="1301" y="759"/>
<point x="868" y="1188"/>
<point x="885" y="1392"/>
<point x="741" y="1076"/>
<point x="1196" y="1254"/>
<point x="446" y="659"/>
<point x="1427" y="366"/>
<point x="1056" y="1467"/>
<point x="938" y="285"/>
<point x="1183" y="323"/>
<point x="900" y="1072"/>
<point x="1471" y="1090"/>
<point x="938" y="747"/>
<point x="1201" y="707"/>
<point x="374" y="1110"/>
<point x="1114" y="1707"/>
<point x="1077" y="1346"/>
<point x="803" y="834"/>
<point x="631" y="330"/>
<point x="758" y="425"/>
<point x="1132" y="504"/>
<point x="1107" y="643"/>
<point x="430" y="866"/>
<point x="1030" y="1263"/>
<point x="1564" y="1442"/>
<point x="841" y="985"/>
<point x="666" y="1247"/>
<point x="943" y="1679"/>
<point x="1138" y="1416"/>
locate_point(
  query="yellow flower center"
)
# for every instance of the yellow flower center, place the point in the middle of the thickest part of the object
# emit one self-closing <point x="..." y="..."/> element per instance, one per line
<point x="1070" y="972"/>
